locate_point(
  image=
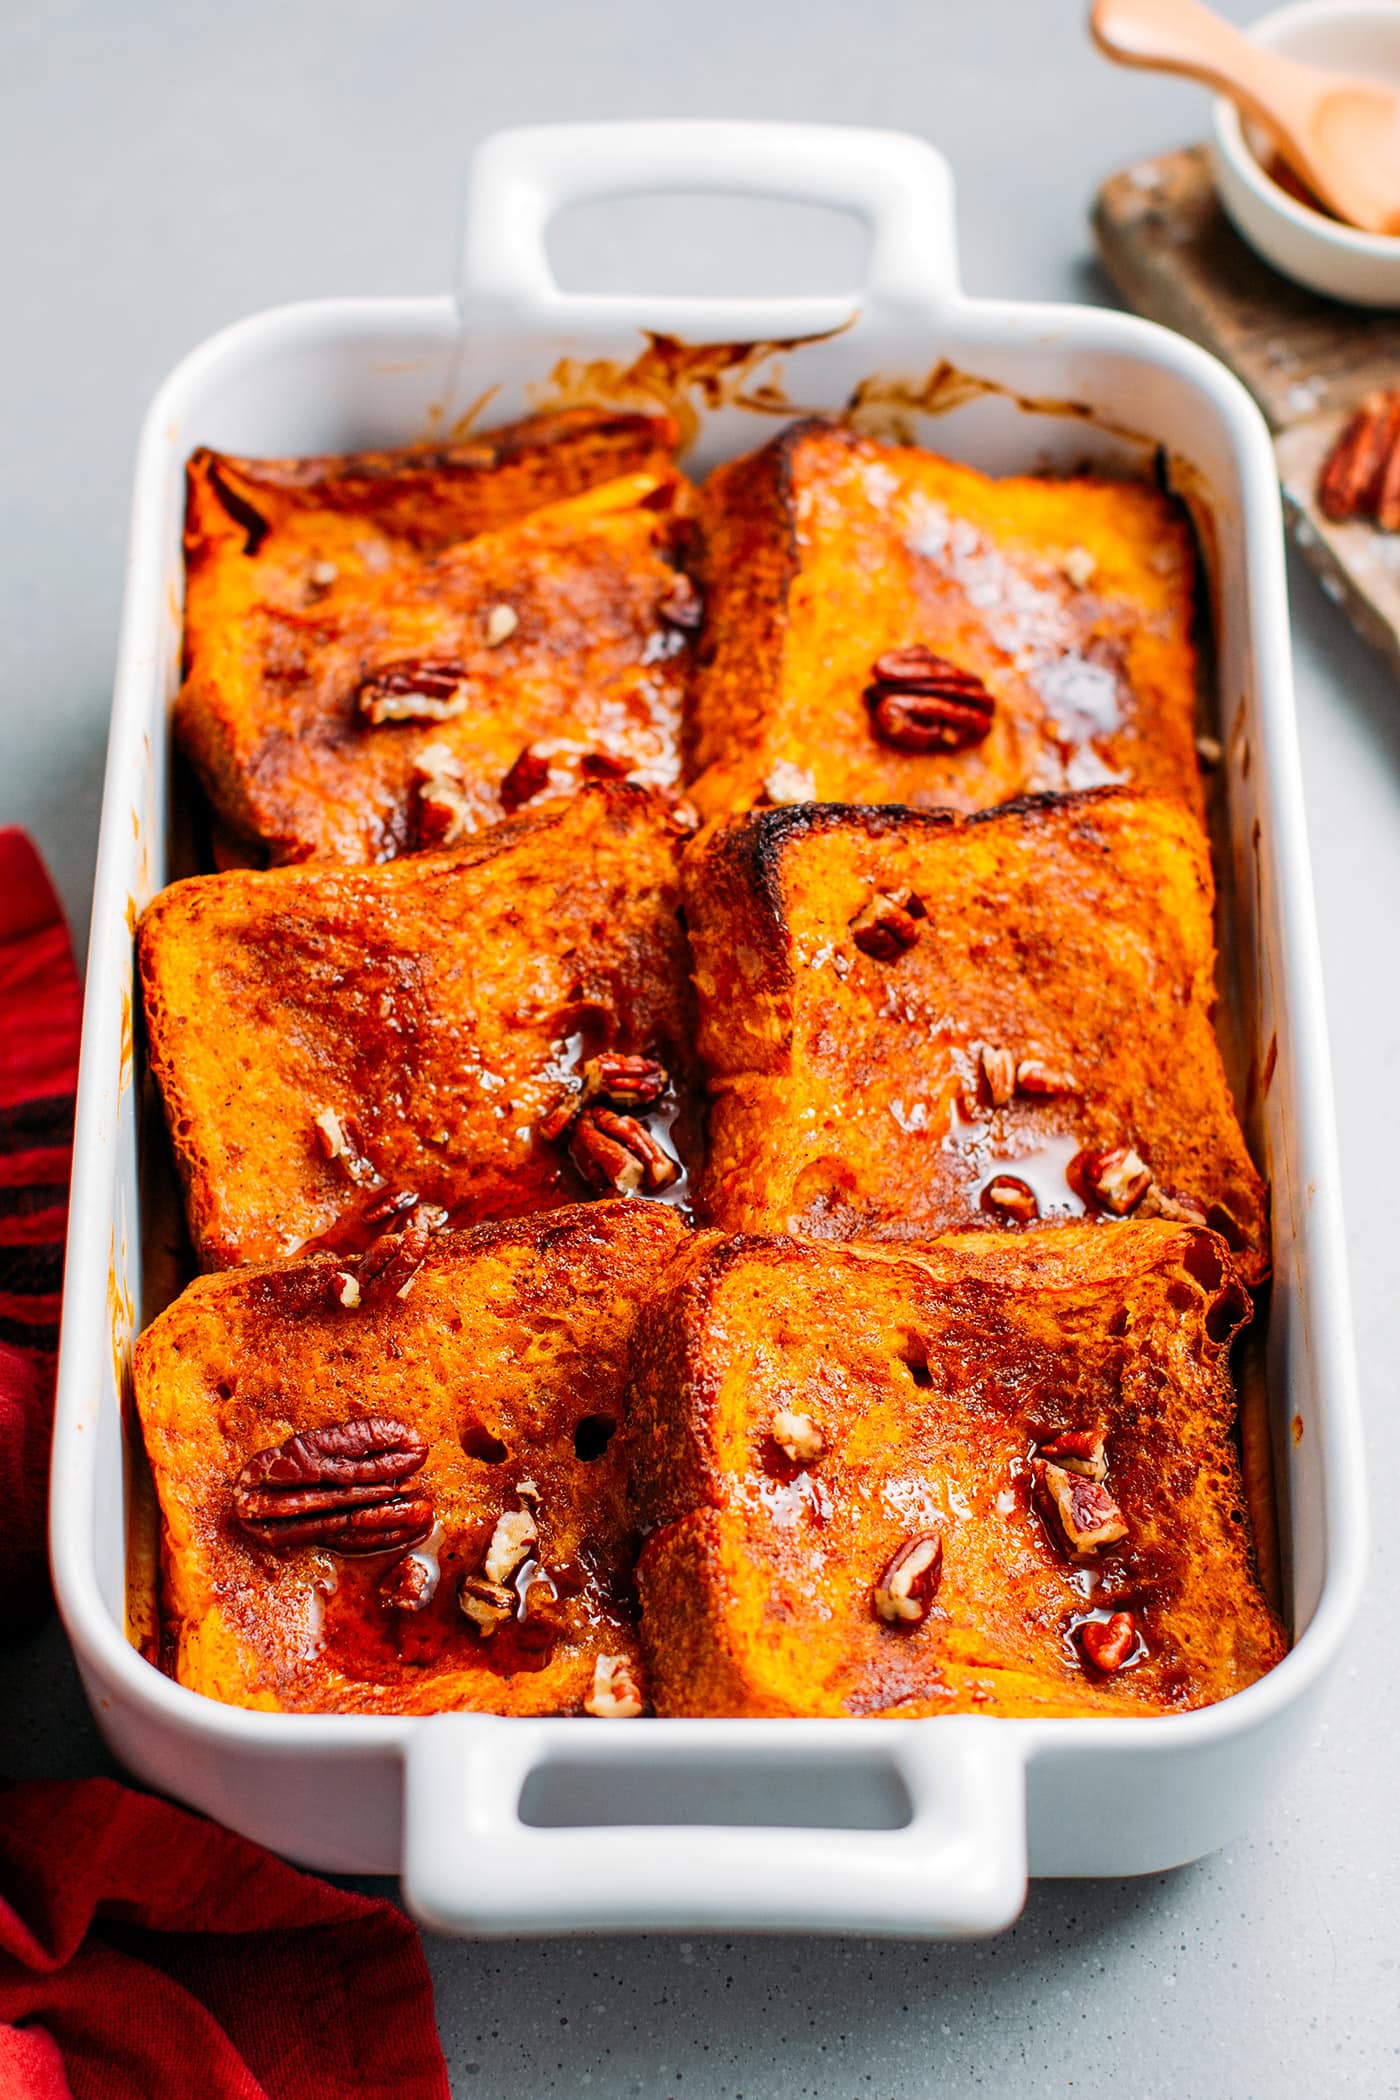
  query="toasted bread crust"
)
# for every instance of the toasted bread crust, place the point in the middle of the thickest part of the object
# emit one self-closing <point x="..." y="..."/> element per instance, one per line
<point x="824" y="550"/>
<point x="439" y="1003"/>
<point x="931" y="1375"/>
<point x="510" y="1337"/>
<point x="306" y="577"/>
<point x="846" y="1094"/>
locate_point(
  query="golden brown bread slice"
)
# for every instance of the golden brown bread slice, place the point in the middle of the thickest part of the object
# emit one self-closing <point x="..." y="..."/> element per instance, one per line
<point x="502" y="1373"/>
<point x="1071" y="601"/>
<point x="851" y="1462"/>
<point x="914" y="1022"/>
<point x="327" y="1040"/>
<point x="372" y="643"/>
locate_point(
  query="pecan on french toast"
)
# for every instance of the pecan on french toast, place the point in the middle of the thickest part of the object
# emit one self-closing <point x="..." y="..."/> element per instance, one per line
<point x="399" y="1489"/>
<point x="983" y="1475"/>
<point x="913" y="1022"/>
<point x="883" y="625"/>
<point x="387" y="656"/>
<point x="454" y="1036"/>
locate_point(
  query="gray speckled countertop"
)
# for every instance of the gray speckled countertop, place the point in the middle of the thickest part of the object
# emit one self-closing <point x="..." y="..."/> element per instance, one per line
<point x="168" y="167"/>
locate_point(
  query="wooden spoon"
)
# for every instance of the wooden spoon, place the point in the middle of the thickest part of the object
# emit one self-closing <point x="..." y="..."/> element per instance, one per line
<point x="1339" y="133"/>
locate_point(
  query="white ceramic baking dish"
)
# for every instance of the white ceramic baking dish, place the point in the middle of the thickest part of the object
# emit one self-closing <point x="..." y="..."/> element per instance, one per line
<point x="924" y="1827"/>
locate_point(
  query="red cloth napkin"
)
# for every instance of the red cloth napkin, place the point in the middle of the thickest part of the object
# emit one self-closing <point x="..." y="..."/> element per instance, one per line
<point x="148" y="1955"/>
<point x="144" y="1953"/>
<point x="40" y="1005"/>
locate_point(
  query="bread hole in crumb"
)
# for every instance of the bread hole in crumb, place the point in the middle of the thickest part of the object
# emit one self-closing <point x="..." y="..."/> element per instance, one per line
<point x="914" y="1357"/>
<point x="478" y="1442"/>
<point x="1225" y="1313"/>
<point x="1202" y="1261"/>
<point x="1228" y="1226"/>
<point x="592" y="1435"/>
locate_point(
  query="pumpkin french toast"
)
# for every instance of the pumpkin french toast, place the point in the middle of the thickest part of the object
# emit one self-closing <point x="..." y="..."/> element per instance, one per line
<point x="983" y="1475"/>
<point x="883" y="625"/>
<point x="451" y="1037"/>
<point x="913" y="1022"/>
<point x="398" y="1487"/>
<point x="389" y="652"/>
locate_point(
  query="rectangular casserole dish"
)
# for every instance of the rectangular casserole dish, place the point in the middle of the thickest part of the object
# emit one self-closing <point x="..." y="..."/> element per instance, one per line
<point x="916" y="1827"/>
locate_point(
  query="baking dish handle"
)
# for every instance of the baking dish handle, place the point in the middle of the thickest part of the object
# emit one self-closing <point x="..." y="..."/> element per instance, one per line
<point x="898" y="185"/>
<point x="550" y="1826"/>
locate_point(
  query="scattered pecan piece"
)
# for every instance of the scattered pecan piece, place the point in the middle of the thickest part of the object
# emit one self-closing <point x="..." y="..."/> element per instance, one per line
<point x="905" y="1591"/>
<point x="884" y="928"/>
<point x="1079" y="566"/>
<point x="619" y="1153"/>
<point x="996" y="1070"/>
<point x="1006" y="1196"/>
<point x="1035" y="1076"/>
<point x="487" y="1604"/>
<point x="410" y="1586"/>
<point x="340" y="1486"/>
<point x="1078" y="1451"/>
<point x="797" y="1436"/>
<point x="1157" y="1203"/>
<point x="501" y="623"/>
<point x="345" y="1289"/>
<point x="614" y="1695"/>
<point x="388" y="1270"/>
<point x="389" y="1205"/>
<point x="1108" y="1643"/>
<point x="1116" y="1180"/>
<point x="526" y="778"/>
<point x="419" y="689"/>
<point x="1085" y="1512"/>
<point x="787" y="783"/>
<point x="682" y="605"/>
<point x="514" y="1539"/>
<point x="1361" y="475"/>
<point x="921" y="702"/>
<point x="443" y="813"/>
<point x="339" y="1139"/>
<point x="627" y="1082"/>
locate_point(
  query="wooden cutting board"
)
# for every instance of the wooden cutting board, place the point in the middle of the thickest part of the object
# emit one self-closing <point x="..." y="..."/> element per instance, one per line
<point x="1307" y="361"/>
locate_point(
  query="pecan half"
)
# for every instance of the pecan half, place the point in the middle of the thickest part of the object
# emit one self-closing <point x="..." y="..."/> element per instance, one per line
<point x="1109" y="1642"/>
<point x="905" y="1591"/>
<point x="1006" y="1196"/>
<point x="1115" y="1180"/>
<point x="340" y="1486"/>
<point x="885" y="927"/>
<point x="526" y="779"/>
<point x="921" y="702"/>
<point x="614" y="1694"/>
<point x="1085" y="1513"/>
<point x="418" y="689"/>
<point x="619" y="1153"/>
<point x="388" y="1270"/>
<point x="797" y="1436"/>
<point x="1078" y="1451"/>
<point x="1360" y="477"/>
<point x="627" y="1082"/>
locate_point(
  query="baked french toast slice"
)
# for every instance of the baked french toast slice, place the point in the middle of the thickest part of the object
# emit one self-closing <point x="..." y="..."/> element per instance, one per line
<point x="883" y="625"/>
<point x="398" y="1489"/>
<point x="381" y="661"/>
<point x="913" y="1022"/>
<point x="982" y="1475"/>
<point x="452" y="1037"/>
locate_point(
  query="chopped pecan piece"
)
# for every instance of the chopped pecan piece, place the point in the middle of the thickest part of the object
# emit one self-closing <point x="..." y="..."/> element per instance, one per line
<point x="345" y="1289"/>
<point x="1115" y="1180"/>
<point x="1085" y="1512"/>
<point x="418" y="689"/>
<point x="682" y="605"/>
<point x="1079" y="566"/>
<point x="388" y="1270"/>
<point x="905" y="1591"/>
<point x="627" y="1082"/>
<point x="1078" y="1451"/>
<point x="444" y="814"/>
<point x="1035" y="1076"/>
<point x="797" y="1436"/>
<point x="619" y="1153"/>
<point x="412" y="1585"/>
<point x="340" y="1486"/>
<point x="1361" y="475"/>
<point x="1109" y="1642"/>
<point x="487" y="1604"/>
<point x="514" y="1539"/>
<point x="389" y="1205"/>
<point x="1006" y="1196"/>
<point x="787" y="783"/>
<point x="526" y="779"/>
<point x="1157" y="1203"/>
<point x="501" y="623"/>
<point x="884" y="928"/>
<point x="996" y="1069"/>
<point x="338" y="1138"/>
<point x="614" y="1695"/>
<point x="921" y="702"/>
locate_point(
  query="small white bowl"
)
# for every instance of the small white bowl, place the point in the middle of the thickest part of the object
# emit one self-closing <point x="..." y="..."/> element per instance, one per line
<point x="1352" y="36"/>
